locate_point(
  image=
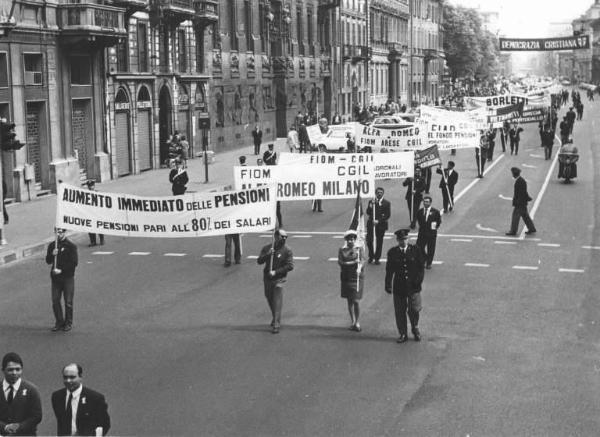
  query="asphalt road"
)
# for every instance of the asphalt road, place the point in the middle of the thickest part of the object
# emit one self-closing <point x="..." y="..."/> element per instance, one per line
<point x="180" y="345"/>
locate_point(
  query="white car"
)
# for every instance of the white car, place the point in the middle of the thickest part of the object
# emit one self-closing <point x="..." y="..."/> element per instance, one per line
<point x="335" y="140"/>
<point x="393" y="121"/>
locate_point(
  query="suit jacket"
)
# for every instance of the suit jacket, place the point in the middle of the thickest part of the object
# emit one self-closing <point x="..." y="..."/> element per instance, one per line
<point x="66" y="260"/>
<point x="425" y="226"/>
<point x="92" y="412"/>
<point x="25" y="409"/>
<point x="520" y="196"/>
<point x="452" y="178"/>
<point x="382" y="214"/>
<point x="416" y="184"/>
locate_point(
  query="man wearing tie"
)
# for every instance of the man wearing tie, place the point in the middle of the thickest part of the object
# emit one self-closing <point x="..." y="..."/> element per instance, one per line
<point x="447" y="183"/>
<point x="429" y="220"/>
<point x="378" y="212"/>
<point x="79" y="410"/>
<point x="20" y="405"/>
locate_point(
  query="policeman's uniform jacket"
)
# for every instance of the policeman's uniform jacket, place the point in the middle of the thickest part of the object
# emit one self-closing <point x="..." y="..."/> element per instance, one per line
<point x="404" y="272"/>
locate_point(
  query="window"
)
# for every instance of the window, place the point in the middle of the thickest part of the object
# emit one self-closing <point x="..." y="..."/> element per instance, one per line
<point x="262" y="23"/>
<point x="309" y="31"/>
<point x="3" y="70"/>
<point x="299" y="34"/>
<point x="248" y="18"/>
<point x="232" y="25"/>
<point x="142" y="41"/>
<point x="267" y="101"/>
<point x="181" y="41"/>
<point x="80" y="70"/>
<point x="200" y="50"/>
<point x="122" y="48"/>
<point x="33" y="68"/>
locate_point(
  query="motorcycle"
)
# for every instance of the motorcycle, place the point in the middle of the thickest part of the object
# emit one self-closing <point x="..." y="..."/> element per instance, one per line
<point x="567" y="166"/>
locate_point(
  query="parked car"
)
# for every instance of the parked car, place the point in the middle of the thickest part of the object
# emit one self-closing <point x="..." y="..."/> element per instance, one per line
<point x="393" y="121"/>
<point x="335" y="140"/>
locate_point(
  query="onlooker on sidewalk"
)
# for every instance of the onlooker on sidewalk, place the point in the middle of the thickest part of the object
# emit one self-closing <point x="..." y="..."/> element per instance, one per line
<point x="292" y="140"/>
<point x="185" y="150"/>
<point x="178" y="178"/>
<point x="4" y="192"/>
<point x="20" y="404"/>
<point x="63" y="257"/>
<point x="91" y="184"/>
<point x="257" y="139"/>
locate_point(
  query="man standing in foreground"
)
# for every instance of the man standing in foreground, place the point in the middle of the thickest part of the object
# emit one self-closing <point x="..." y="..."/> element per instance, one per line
<point x="378" y="212"/>
<point x="278" y="260"/>
<point x="404" y="272"/>
<point x="20" y="405"/>
<point x="79" y="410"/>
<point x="64" y="260"/>
<point x="520" y="200"/>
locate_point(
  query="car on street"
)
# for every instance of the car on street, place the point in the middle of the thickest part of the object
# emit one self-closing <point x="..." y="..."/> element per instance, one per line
<point x="335" y="140"/>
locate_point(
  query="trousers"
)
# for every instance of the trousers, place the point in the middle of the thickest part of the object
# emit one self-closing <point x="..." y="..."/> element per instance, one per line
<point x="274" y="295"/>
<point x="521" y="212"/>
<point x="63" y="288"/>
<point x="237" y="255"/>
<point x="427" y="244"/>
<point x="375" y="252"/>
<point x="404" y="305"/>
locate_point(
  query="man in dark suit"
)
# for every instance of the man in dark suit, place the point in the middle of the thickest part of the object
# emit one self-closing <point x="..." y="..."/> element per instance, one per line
<point x="515" y="138"/>
<point x="520" y="199"/>
<point x="79" y="410"/>
<point x="447" y="183"/>
<point x="414" y="194"/>
<point x="403" y="277"/>
<point x="378" y="213"/>
<point x="429" y="220"/>
<point x="257" y="139"/>
<point x="20" y="404"/>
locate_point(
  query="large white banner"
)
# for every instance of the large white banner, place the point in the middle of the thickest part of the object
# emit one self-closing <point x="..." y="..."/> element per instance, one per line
<point x="453" y="135"/>
<point x="190" y="215"/>
<point x="413" y="137"/>
<point x="396" y="165"/>
<point x="306" y="182"/>
<point x="477" y="118"/>
<point x="537" y="100"/>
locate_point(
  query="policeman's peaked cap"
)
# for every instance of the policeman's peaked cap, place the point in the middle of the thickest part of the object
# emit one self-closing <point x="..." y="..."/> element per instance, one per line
<point x="402" y="233"/>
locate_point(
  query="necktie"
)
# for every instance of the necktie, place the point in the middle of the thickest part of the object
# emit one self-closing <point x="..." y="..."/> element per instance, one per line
<point x="11" y="394"/>
<point x="69" y="410"/>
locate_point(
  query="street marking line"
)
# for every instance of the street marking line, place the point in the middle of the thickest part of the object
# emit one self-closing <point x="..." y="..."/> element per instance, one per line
<point x="538" y="199"/>
<point x="482" y="228"/>
<point x="549" y="244"/>
<point x="332" y="259"/>
<point x="476" y="265"/>
<point x="139" y="253"/>
<point x="571" y="270"/>
<point x="302" y="236"/>
<point x="437" y="263"/>
<point x="175" y="254"/>
<point x="266" y="236"/>
<point x="591" y="247"/>
<point x="102" y="253"/>
<point x="339" y="237"/>
<point x="252" y="257"/>
<point x="505" y="242"/>
<point x="535" y="156"/>
<point x="301" y="258"/>
<point x="528" y="166"/>
<point x="212" y="255"/>
<point x="413" y="235"/>
<point x="387" y="237"/>
<point x="474" y="181"/>
<point x="464" y="240"/>
<point x="525" y="267"/>
<point x="501" y="196"/>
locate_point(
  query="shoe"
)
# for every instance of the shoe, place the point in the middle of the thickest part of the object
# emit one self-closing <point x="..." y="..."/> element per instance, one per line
<point x="451" y="208"/>
<point x="238" y="262"/>
<point x="480" y="176"/>
<point x="352" y="328"/>
<point x="401" y="339"/>
<point x="530" y="232"/>
<point x="56" y="328"/>
<point x="357" y="327"/>
<point x="320" y="210"/>
<point x="370" y="260"/>
<point x="512" y="234"/>
<point x="376" y="262"/>
<point x="91" y="244"/>
<point x="416" y="334"/>
<point x="428" y="266"/>
<point x="67" y="328"/>
<point x="445" y="211"/>
<point x="227" y="265"/>
<point x="413" y="226"/>
<point x="275" y="330"/>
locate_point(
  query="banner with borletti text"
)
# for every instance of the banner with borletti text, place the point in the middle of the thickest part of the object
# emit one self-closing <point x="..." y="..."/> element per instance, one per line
<point x="308" y="182"/>
<point x="189" y="215"/>
<point x="395" y="165"/>
<point x="544" y="44"/>
<point x="411" y="137"/>
<point x="493" y="102"/>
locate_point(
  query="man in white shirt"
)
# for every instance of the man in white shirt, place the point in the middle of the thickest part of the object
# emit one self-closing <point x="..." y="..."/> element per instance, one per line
<point x="79" y="410"/>
<point x="20" y="405"/>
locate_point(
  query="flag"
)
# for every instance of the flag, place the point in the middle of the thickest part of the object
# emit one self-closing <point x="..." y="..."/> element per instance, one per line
<point x="358" y="222"/>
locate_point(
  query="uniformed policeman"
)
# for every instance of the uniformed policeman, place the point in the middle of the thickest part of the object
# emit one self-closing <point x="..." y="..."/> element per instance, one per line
<point x="404" y="272"/>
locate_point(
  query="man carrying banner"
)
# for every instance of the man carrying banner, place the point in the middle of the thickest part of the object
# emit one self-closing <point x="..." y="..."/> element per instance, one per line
<point x="515" y="138"/>
<point x="62" y="254"/>
<point x="378" y="212"/>
<point x="414" y="194"/>
<point x="404" y="273"/>
<point x="447" y="183"/>
<point x="429" y="220"/>
<point x="278" y="260"/>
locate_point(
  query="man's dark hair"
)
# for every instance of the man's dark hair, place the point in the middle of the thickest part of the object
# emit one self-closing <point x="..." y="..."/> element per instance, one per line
<point x="11" y="357"/>
<point x="79" y="369"/>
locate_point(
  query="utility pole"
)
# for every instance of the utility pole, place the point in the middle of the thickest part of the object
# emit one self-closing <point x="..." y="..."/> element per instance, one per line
<point x="410" y="53"/>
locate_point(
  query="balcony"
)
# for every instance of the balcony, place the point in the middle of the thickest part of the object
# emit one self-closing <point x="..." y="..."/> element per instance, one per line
<point x="356" y="53"/>
<point x="328" y="4"/>
<point x="6" y="25"/>
<point x="132" y="6"/>
<point x="397" y="49"/>
<point x="207" y="12"/>
<point x="174" y="11"/>
<point x="430" y="54"/>
<point x="97" y="25"/>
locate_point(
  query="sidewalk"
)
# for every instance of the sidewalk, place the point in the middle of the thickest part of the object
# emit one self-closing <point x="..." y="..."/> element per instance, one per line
<point x="31" y="225"/>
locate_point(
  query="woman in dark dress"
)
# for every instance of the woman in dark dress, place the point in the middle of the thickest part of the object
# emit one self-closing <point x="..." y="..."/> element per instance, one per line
<point x="352" y="261"/>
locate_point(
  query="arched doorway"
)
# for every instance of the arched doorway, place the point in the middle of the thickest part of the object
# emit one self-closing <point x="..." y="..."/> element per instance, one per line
<point x="165" y="108"/>
<point x="144" y="126"/>
<point x="122" y="153"/>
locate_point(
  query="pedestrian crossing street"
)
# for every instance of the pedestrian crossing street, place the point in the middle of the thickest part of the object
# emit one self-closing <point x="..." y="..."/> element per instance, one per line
<point x="452" y="239"/>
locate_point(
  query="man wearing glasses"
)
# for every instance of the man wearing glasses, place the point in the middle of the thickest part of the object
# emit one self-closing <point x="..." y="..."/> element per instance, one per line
<point x="62" y="255"/>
